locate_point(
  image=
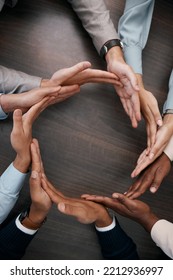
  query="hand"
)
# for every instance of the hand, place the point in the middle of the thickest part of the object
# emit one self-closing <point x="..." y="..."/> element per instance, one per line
<point x="151" y="178"/>
<point x="80" y="74"/>
<point x="150" y="112"/>
<point x="85" y="212"/>
<point x="41" y="203"/>
<point x="25" y="100"/>
<point x="129" y="92"/>
<point x="163" y="136"/>
<point x="21" y="134"/>
<point x="133" y="209"/>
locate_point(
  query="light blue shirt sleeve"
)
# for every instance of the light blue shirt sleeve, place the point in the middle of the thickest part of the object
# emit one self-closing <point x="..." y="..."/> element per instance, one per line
<point x="11" y="183"/>
<point x="169" y="101"/>
<point x="134" y="27"/>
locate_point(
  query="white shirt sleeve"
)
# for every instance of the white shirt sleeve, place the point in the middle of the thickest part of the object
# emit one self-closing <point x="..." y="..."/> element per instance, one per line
<point x="24" y="229"/>
<point x="11" y="183"/>
<point x="162" y="233"/>
<point x="111" y="226"/>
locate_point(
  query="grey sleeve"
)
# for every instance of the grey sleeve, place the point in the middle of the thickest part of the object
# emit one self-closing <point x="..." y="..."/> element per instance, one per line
<point x="96" y="20"/>
<point x="12" y="81"/>
<point x="134" y="27"/>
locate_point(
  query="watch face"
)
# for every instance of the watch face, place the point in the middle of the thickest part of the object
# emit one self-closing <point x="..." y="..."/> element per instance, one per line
<point x="23" y="215"/>
<point x="121" y="44"/>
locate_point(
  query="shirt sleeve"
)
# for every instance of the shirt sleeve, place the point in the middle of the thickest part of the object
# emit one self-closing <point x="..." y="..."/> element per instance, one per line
<point x="96" y="20"/>
<point x="12" y="81"/>
<point x="162" y="233"/>
<point x="134" y="26"/>
<point x="169" y="149"/>
<point x="24" y="229"/>
<point x="169" y="101"/>
<point x="11" y="183"/>
<point x="111" y="226"/>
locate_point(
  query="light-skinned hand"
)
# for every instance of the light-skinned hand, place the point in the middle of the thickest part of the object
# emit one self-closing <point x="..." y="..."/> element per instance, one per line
<point x="129" y="93"/>
<point x="163" y="136"/>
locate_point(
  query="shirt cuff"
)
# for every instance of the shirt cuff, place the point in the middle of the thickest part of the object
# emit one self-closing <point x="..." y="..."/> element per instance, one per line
<point x="133" y="57"/>
<point x="3" y="115"/>
<point x="169" y="149"/>
<point x="110" y="227"/>
<point x="24" y="229"/>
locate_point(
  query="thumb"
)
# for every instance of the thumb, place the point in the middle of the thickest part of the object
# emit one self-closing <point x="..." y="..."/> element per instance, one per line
<point x="53" y="196"/>
<point x="17" y="121"/>
<point x="124" y="200"/>
<point x="68" y="209"/>
<point x="159" y="176"/>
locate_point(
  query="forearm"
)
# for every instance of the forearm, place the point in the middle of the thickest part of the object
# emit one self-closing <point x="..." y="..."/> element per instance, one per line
<point x="96" y="20"/>
<point x="134" y="26"/>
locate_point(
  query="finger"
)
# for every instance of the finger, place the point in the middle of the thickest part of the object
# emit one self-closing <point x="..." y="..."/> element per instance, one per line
<point x="68" y="90"/>
<point x="69" y="209"/>
<point x="35" y="156"/>
<point x="158" y="178"/>
<point x="30" y="116"/>
<point x="17" y="121"/>
<point x="51" y="193"/>
<point x="136" y="106"/>
<point x="128" y="203"/>
<point x="133" y="187"/>
<point x="133" y="79"/>
<point x="72" y="71"/>
<point x="141" y="166"/>
<point x="156" y="114"/>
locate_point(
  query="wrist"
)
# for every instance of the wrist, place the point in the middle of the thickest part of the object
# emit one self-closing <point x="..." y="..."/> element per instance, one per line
<point x="45" y="83"/>
<point x="140" y="80"/>
<point x="148" y="221"/>
<point x="22" y="163"/>
<point x="37" y="214"/>
<point x="168" y="118"/>
<point x="115" y="53"/>
<point x="28" y="222"/>
<point x="103" y="220"/>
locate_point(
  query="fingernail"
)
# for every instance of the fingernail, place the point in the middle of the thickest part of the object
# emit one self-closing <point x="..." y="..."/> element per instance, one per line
<point x="151" y="155"/>
<point x="153" y="189"/>
<point x="34" y="174"/>
<point x="115" y="195"/>
<point x="61" y="207"/>
<point x="159" y="122"/>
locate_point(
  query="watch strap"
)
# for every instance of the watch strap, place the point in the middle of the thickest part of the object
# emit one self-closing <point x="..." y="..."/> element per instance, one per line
<point x="108" y="45"/>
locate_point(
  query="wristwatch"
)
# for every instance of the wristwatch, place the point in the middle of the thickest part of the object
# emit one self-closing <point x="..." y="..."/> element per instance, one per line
<point x="110" y="44"/>
<point x="28" y="222"/>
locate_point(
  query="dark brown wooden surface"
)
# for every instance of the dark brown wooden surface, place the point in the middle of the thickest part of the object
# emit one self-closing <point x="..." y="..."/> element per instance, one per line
<point x="87" y="142"/>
